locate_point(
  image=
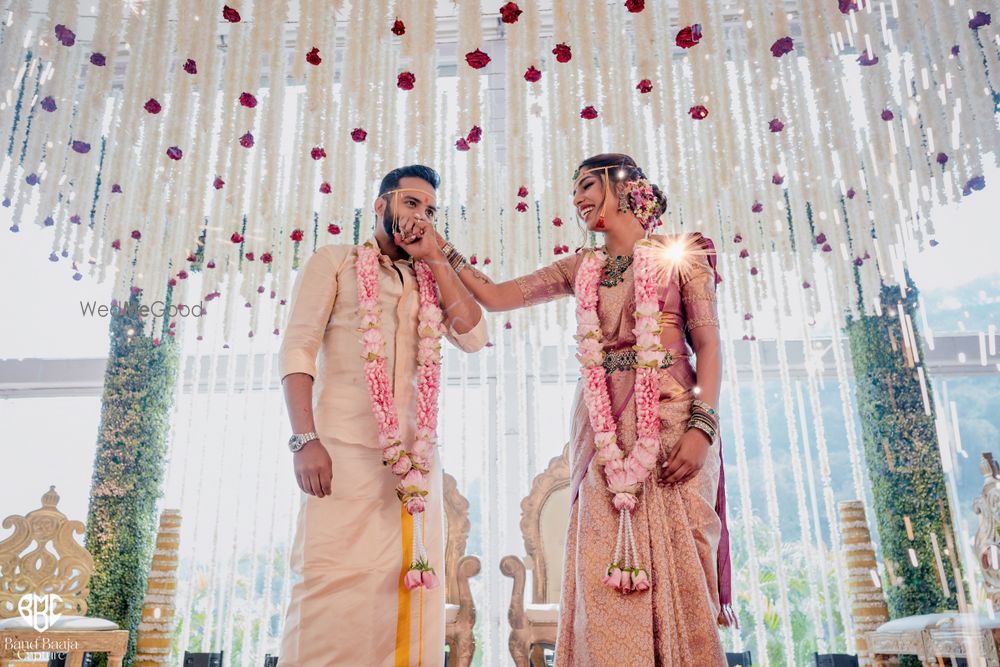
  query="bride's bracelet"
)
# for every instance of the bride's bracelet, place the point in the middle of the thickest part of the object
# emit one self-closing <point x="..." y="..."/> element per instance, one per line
<point x="703" y="426"/>
<point x="454" y="257"/>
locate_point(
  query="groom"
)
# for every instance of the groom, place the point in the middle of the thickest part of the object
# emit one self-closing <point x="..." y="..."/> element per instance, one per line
<point x="354" y="600"/>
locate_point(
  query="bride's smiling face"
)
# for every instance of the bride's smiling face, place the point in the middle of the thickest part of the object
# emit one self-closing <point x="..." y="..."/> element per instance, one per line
<point x="588" y="198"/>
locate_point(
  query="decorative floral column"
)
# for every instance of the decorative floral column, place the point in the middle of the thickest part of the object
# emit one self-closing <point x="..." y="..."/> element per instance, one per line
<point x="868" y="608"/>
<point x="129" y="468"/>
<point x="901" y="451"/>
<point x="157" y="627"/>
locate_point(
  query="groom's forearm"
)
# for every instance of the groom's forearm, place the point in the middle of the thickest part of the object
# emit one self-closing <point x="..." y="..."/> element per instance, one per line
<point x="461" y="310"/>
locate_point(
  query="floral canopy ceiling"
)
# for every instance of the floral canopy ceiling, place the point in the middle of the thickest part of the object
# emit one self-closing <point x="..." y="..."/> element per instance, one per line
<point x="811" y="139"/>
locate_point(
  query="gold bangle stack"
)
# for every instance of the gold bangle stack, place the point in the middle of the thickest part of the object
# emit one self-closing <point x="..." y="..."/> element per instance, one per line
<point x="705" y="418"/>
<point x="454" y="257"/>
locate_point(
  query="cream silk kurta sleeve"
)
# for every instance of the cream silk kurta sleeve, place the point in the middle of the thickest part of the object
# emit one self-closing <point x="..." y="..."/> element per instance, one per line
<point x="348" y="604"/>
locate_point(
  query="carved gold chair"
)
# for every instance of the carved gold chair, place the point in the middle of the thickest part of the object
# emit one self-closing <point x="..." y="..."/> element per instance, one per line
<point x="40" y="560"/>
<point x="544" y="516"/>
<point x="460" y="608"/>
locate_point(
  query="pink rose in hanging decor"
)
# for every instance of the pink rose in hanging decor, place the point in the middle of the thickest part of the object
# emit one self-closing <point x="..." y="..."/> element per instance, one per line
<point x="756" y="208"/>
<point x="866" y="60"/>
<point x="317" y="153"/>
<point x="562" y="52"/>
<point x="116" y="244"/>
<point x="230" y="14"/>
<point x="475" y="134"/>
<point x="462" y="145"/>
<point x="635" y="6"/>
<point x="522" y="207"/>
<point x="689" y="36"/>
<point x="65" y="36"/>
<point x="777" y="178"/>
<point x="738" y="238"/>
<point x="296" y="235"/>
<point x="249" y="256"/>
<point x="510" y="12"/>
<point x="698" y="112"/>
<point x="644" y="86"/>
<point x="532" y="74"/>
<point x="398" y="28"/>
<point x="473" y="260"/>
<point x="246" y="141"/>
<point x="981" y="19"/>
<point x="405" y="80"/>
<point x="190" y="66"/>
<point x="235" y="238"/>
<point x="324" y="188"/>
<point x="744" y="253"/>
<point x="48" y="103"/>
<point x="775" y="125"/>
<point x="826" y="248"/>
<point x="522" y="191"/>
<point x="477" y="59"/>
<point x="218" y="183"/>
<point x="175" y="153"/>
<point x="152" y="106"/>
<point x="136" y="234"/>
<point x="782" y="46"/>
<point x="248" y="100"/>
<point x="588" y="113"/>
<point x="557" y="222"/>
<point x="333" y="229"/>
<point x="313" y="56"/>
<point x="358" y="135"/>
<point x="98" y="59"/>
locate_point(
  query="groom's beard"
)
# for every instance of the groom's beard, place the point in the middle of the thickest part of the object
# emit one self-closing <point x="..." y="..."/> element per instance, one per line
<point x="387" y="217"/>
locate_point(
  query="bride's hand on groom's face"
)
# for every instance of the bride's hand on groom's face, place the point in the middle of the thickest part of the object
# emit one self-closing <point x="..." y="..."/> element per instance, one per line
<point x="418" y="239"/>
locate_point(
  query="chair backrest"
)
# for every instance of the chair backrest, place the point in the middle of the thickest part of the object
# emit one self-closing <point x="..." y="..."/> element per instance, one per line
<point x="457" y="526"/>
<point x="739" y="659"/>
<point x="987" y="506"/>
<point x="835" y="660"/>
<point x="202" y="659"/>
<point x="43" y="557"/>
<point x="544" y="517"/>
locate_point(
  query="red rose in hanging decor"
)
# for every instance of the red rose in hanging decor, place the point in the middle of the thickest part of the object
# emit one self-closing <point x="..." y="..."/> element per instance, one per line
<point x="405" y="80"/>
<point x="152" y="106"/>
<point x="175" y="153"/>
<point x="65" y="36"/>
<point x="847" y="6"/>
<point x="522" y="191"/>
<point x="235" y="238"/>
<point x="218" y="183"/>
<point x="191" y="258"/>
<point x="313" y="56"/>
<point x="190" y="66"/>
<point x="588" y="112"/>
<point x="744" y="253"/>
<point x="557" y="222"/>
<point x="522" y="207"/>
<point x="562" y="52"/>
<point x="230" y="14"/>
<point x="136" y="234"/>
<point x="473" y="260"/>
<point x="116" y="244"/>
<point x="644" y="86"/>
<point x="508" y="325"/>
<point x="775" y="125"/>
<point x="477" y="59"/>
<point x="756" y="208"/>
<point x="689" y="36"/>
<point x="317" y="153"/>
<point x="462" y="145"/>
<point x="510" y="12"/>
<point x="265" y="258"/>
<point x="777" y="179"/>
<point x="866" y="60"/>
<point x="635" y="6"/>
<point x="324" y="187"/>
<point x="249" y="256"/>
<point x="738" y="238"/>
<point x="210" y="264"/>
<point x="296" y="235"/>
<point x="358" y="135"/>
<point x="698" y="112"/>
<point x="782" y="46"/>
<point x="532" y="74"/>
<point x="248" y="100"/>
<point x="246" y="141"/>
<point x="398" y="28"/>
<point x="333" y="229"/>
<point x="475" y="134"/>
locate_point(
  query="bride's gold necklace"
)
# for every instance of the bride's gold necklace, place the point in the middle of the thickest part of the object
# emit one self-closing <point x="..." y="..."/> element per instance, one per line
<point x="614" y="270"/>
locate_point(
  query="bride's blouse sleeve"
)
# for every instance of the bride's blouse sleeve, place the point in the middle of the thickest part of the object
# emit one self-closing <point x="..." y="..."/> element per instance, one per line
<point x="698" y="292"/>
<point x="549" y="282"/>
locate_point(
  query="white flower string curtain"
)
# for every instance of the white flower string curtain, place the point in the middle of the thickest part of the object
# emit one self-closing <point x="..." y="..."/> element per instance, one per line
<point x="207" y="148"/>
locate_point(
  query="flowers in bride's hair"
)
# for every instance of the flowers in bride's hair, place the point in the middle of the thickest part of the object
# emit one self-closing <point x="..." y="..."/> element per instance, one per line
<point x="510" y="12"/>
<point x="532" y="74"/>
<point x="689" y="36"/>
<point x="398" y="28"/>
<point x="405" y="80"/>
<point x="782" y="46"/>
<point x="477" y="59"/>
<point x="562" y="52"/>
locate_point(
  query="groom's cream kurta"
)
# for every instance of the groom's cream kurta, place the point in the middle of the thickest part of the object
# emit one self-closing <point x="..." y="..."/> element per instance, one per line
<point x="351" y="549"/>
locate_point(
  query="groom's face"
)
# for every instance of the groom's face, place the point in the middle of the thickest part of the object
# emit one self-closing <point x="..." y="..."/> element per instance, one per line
<point x="413" y="199"/>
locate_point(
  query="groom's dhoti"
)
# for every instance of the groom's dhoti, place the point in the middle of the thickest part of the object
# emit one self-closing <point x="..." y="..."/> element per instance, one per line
<point x="351" y="550"/>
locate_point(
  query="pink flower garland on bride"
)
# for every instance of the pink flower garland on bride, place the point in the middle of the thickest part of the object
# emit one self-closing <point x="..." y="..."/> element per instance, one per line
<point x="625" y="475"/>
<point x="412" y="465"/>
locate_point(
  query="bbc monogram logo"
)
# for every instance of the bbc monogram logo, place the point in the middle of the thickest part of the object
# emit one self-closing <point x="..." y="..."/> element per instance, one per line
<point x="40" y="610"/>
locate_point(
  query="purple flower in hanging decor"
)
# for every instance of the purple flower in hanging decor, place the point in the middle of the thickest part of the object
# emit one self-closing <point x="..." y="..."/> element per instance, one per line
<point x="246" y="141"/>
<point x="756" y="208"/>
<point x="248" y="100"/>
<point x="942" y="159"/>
<point x="98" y="59"/>
<point x="75" y="219"/>
<point x="81" y="147"/>
<point x="866" y="60"/>
<point x="358" y="135"/>
<point x="775" y="125"/>
<point x="739" y="237"/>
<point x="522" y="191"/>
<point x="521" y="206"/>
<point x="975" y="183"/>
<point x="175" y="153"/>
<point x="136" y="234"/>
<point x="190" y="66"/>
<point x="698" y="112"/>
<point x="53" y="257"/>
<point x="777" y="179"/>
<point x="152" y="106"/>
<point x="887" y="115"/>
<point x="782" y="46"/>
<point x="49" y="221"/>
<point x="563" y="52"/>
<point x="14" y="228"/>
<point x="77" y="276"/>
<point x="116" y="189"/>
<point x="474" y="135"/>
<point x="753" y="271"/>
<point x="510" y="12"/>
<point x="6" y="202"/>
<point x="805" y="284"/>
<point x="31" y="179"/>
<point x="688" y="36"/>
<point x="744" y="253"/>
<point x="317" y="153"/>
<point x="635" y="6"/>
<point x="847" y="6"/>
<point x="955" y="50"/>
<point x="477" y="59"/>
<point x="826" y="248"/>
<point x="218" y="183"/>
<point x="933" y="243"/>
<point x="462" y="144"/>
<point x="858" y="261"/>
<point x="65" y="36"/>
<point x="820" y="238"/>
<point x="116" y="244"/>
<point x="851" y="193"/>
<point x="979" y="20"/>
<point x="49" y="104"/>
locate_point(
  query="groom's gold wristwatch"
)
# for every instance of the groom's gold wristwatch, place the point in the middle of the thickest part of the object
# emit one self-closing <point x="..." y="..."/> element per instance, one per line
<point x="299" y="440"/>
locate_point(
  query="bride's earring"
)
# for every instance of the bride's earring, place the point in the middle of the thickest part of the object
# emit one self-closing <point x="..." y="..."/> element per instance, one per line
<point x="622" y="203"/>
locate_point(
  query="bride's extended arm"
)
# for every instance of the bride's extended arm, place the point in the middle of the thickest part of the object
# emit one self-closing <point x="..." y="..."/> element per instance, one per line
<point x="493" y="296"/>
